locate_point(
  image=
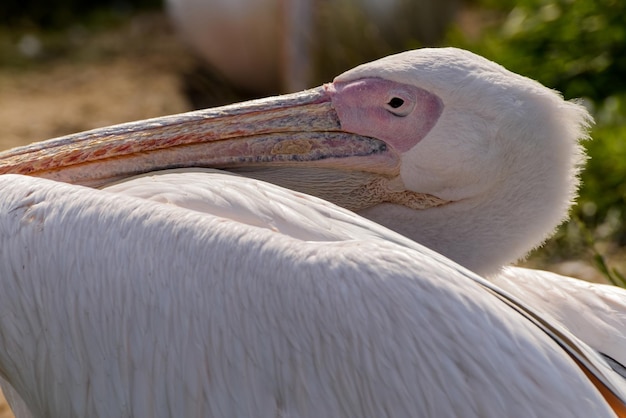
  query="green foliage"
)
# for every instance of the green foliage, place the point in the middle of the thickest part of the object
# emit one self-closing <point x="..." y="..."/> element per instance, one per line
<point x="575" y="46"/>
<point x="603" y="195"/>
<point x="612" y="275"/>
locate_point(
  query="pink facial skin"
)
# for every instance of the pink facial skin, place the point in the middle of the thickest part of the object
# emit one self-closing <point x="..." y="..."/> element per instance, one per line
<point x="399" y="114"/>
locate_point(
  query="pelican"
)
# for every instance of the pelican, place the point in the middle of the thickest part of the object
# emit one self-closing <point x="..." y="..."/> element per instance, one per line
<point x="435" y="143"/>
<point x="267" y="323"/>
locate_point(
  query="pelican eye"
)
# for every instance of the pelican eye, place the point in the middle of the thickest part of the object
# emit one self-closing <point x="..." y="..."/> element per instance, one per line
<point x="398" y="106"/>
<point x="396" y="102"/>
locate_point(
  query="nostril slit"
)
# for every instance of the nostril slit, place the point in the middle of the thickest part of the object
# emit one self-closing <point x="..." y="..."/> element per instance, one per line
<point x="396" y="102"/>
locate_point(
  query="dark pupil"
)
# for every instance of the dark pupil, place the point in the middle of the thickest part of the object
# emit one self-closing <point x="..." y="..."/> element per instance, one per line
<point x="396" y="102"/>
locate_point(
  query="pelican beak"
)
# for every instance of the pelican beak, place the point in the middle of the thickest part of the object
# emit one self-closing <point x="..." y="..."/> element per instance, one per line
<point x="300" y="129"/>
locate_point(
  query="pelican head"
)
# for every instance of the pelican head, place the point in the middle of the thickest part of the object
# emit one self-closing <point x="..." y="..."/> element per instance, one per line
<point x="441" y="145"/>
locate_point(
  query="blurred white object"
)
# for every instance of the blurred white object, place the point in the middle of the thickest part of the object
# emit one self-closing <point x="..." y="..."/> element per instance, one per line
<point x="269" y="46"/>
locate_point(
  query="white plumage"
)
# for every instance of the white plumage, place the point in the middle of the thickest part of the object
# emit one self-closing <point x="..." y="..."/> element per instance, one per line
<point x="117" y="317"/>
<point x="595" y="313"/>
<point x="310" y="310"/>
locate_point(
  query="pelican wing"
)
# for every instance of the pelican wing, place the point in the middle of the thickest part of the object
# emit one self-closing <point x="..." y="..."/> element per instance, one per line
<point x="117" y="306"/>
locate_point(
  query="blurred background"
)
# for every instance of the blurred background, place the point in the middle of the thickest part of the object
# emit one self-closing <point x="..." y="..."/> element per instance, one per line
<point x="72" y="65"/>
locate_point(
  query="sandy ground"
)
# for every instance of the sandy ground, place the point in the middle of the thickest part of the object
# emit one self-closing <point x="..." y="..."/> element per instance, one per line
<point x="127" y="73"/>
